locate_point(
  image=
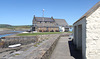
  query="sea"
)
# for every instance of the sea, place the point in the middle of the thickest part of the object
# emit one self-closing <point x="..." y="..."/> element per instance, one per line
<point x="3" y="35"/>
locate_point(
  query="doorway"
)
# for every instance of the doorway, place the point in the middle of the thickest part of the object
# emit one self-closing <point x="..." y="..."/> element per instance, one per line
<point x="79" y="37"/>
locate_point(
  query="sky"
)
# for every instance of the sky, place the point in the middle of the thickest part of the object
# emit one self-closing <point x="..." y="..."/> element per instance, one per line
<point x="21" y="12"/>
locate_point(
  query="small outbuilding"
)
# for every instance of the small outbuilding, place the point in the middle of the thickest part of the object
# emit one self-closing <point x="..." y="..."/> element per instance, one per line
<point x="87" y="33"/>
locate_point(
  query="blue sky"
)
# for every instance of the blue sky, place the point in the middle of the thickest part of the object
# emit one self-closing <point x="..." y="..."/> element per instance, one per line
<point x="21" y="12"/>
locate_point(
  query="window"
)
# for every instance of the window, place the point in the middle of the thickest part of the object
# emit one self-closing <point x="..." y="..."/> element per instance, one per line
<point x="45" y="21"/>
<point x="34" y="24"/>
<point x="50" y="22"/>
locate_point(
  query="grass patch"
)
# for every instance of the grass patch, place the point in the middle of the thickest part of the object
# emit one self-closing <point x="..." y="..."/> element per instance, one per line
<point x="17" y="54"/>
<point x="35" y="45"/>
<point x="42" y="33"/>
<point x="40" y="41"/>
<point x="70" y="32"/>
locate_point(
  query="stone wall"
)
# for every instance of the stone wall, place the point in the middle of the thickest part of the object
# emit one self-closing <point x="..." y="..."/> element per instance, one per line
<point x="6" y="41"/>
<point x="43" y="50"/>
<point x="43" y="37"/>
<point x="47" y="30"/>
<point x="93" y="35"/>
<point x="48" y="36"/>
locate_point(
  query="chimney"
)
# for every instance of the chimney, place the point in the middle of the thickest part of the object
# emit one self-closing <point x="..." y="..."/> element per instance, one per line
<point x="34" y="16"/>
<point x="51" y="17"/>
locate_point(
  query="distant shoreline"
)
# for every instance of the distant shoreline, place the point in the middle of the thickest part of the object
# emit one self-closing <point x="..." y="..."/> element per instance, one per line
<point x="8" y="33"/>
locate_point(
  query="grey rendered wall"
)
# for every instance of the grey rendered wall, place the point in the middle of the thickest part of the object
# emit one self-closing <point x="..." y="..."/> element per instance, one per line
<point x="76" y="41"/>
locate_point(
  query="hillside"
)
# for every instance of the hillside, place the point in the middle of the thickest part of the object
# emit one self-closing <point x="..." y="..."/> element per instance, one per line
<point x="5" y="26"/>
<point x="11" y="27"/>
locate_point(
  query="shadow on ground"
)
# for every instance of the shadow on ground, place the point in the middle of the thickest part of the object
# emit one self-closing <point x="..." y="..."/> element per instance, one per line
<point x="74" y="52"/>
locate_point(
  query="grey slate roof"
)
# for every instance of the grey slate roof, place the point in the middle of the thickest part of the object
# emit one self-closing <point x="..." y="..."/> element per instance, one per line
<point x="44" y="19"/>
<point x="89" y="12"/>
<point x="61" y="22"/>
<point x="46" y="25"/>
<point x="51" y="22"/>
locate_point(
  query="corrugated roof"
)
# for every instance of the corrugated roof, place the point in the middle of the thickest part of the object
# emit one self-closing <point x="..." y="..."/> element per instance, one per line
<point x="88" y="13"/>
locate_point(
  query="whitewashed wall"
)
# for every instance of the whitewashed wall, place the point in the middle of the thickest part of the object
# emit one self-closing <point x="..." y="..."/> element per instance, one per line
<point x="93" y="35"/>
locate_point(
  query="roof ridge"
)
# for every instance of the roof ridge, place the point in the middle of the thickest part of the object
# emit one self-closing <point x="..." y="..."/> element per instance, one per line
<point x="42" y="17"/>
<point x="58" y="19"/>
<point x="90" y="11"/>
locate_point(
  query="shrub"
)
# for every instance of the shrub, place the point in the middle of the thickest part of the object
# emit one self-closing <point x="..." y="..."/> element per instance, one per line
<point x="52" y="31"/>
<point x="40" y="30"/>
<point x="57" y="30"/>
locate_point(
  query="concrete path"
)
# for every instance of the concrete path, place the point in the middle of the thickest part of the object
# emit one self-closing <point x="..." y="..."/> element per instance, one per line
<point x="61" y="50"/>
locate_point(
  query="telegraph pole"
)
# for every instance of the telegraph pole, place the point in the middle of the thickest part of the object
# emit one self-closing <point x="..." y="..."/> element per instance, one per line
<point x="43" y="18"/>
<point x="43" y="12"/>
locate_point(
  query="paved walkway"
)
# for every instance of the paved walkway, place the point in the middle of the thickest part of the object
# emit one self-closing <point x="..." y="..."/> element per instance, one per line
<point x="62" y="51"/>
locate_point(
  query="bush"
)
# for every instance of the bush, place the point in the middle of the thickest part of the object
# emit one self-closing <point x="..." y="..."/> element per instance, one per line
<point x="52" y="31"/>
<point x="47" y="30"/>
<point x="57" y="30"/>
<point x="40" y="30"/>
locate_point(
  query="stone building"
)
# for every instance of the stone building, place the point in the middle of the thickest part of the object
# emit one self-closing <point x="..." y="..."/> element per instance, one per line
<point x="87" y="33"/>
<point x="44" y="24"/>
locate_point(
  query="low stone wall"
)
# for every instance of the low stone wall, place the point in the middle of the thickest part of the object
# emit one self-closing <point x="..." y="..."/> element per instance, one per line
<point x="11" y="40"/>
<point x="44" y="37"/>
<point x="49" y="51"/>
<point x="6" y="41"/>
<point x="43" y="51"/>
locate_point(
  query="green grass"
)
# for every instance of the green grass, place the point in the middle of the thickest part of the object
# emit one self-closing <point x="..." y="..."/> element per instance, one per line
<point x="42" y="33"/>
<point x="35" y="45"/>
<point x="17" y="54"/>
<point x="70" y="32"/>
